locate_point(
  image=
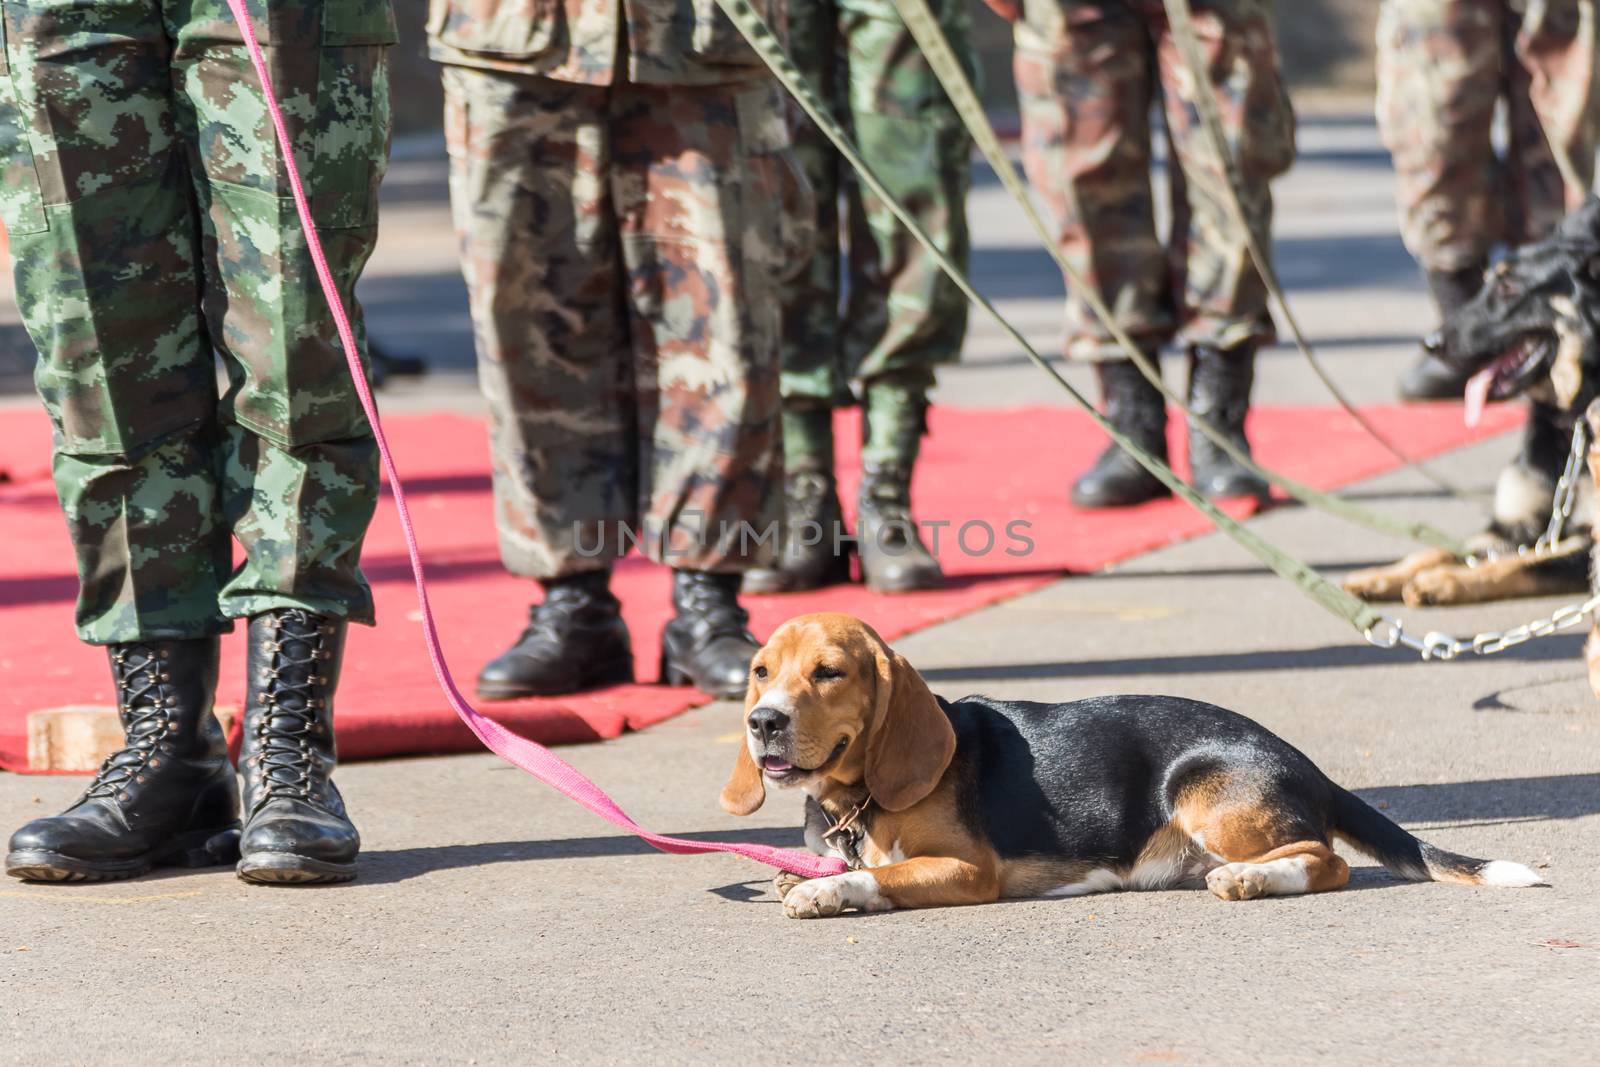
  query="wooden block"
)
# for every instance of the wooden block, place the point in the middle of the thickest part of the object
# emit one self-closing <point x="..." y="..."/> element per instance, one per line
<point x="79" y="736"/>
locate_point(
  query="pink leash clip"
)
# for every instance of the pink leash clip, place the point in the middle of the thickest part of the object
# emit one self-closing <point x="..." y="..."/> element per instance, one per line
<point x="513" y="748"/>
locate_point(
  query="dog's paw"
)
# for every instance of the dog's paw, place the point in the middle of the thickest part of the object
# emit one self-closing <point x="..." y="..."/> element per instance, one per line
<point x="820" y="898"/>
<point x="814" y="899"/>
<point x="785" y="881"/>
<point x="1237" y="881"/>
<point x="1375" y="584"/>
<point x="1442" y="585"/>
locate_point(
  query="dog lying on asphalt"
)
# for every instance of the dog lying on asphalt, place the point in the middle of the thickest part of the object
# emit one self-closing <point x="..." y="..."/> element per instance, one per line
<point x="1533" y="330"/>
<point x="933" y="802"/>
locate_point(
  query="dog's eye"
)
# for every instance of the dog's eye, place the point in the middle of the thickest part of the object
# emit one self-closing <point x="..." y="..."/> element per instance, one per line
<point x="760" y="671"/>
<point x="826" y="674"/>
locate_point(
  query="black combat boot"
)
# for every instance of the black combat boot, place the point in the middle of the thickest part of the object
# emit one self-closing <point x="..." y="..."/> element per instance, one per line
<point x="893" y="557"/>
<point x="1429" y="377"/>
<point x="811" y="553"/>
<point x="295" y="827"/>
<point x="708" y="643"/>
<point x="810" y="550"/>
<point x="168" y="798"/>
<point x="1219" y="392"/>
<point x="1137" y="409"/>
<point x="575" y="640"/>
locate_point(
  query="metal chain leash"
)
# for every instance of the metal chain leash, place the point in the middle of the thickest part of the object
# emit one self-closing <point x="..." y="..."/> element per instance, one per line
<point x="1434" y="645"/>
<point x="1562" y="505"/>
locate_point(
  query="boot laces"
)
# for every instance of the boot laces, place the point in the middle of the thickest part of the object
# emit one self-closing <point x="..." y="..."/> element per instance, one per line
<point x="293" y="721"/>
<point x="891" y="522"/>
<point x="145" y="704"/>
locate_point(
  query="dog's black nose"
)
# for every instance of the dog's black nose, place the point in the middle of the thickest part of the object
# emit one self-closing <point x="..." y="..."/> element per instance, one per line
<point x="1433" y="344"/>
<point x="768" y="724"/>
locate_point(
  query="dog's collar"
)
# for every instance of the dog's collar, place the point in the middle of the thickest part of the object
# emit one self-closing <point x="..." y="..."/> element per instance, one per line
<point x="846" y="835"/>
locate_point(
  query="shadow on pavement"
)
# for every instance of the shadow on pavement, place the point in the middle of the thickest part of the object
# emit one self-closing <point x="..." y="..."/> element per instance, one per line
<point x="1285" y="659"/>
<point x="397" y="865"/>
<point x="1494" y="800"/>
<point x="1476" y="803"/>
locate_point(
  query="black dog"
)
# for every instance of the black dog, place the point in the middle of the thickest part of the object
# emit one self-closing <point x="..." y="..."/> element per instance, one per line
<point x="1534" y="331"/>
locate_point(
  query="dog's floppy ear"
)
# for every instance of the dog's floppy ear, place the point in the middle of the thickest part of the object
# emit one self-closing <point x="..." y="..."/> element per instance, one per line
<point x="746" y="789"/>
<point x="911" y="742"/>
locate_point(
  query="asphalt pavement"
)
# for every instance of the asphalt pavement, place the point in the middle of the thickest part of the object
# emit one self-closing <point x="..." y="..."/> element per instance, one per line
<point x="495" y="923"/>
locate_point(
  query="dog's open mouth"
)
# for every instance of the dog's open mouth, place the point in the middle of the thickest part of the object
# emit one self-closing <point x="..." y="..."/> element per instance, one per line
<point x="780" y="770"/>
<point x="1509" y="374"/>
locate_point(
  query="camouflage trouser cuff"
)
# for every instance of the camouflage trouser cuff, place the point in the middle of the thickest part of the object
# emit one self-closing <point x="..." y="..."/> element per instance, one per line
<point x="804" y="391"/>
<point x="1225" y="335"/>
<point x="920" y="378"/>
<point x="248" y="607"/>
<point x="130" y="632"/>
<point x="1090" y="349"/>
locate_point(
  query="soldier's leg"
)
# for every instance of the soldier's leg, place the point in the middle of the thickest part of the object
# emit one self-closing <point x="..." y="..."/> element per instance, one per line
<point x="704" y="187"/>
<point x="1226" y="316"/>
<point x="904" y="313"/>
<point x="105" y="255"/>
<point x="300" y="469"/>
<point x="1440" y="65"/>
<point x="1084" y="79"/>
<point x="1551" y="90"/>
<point x="813" y="374"/>
<point x="905" y="316"/>
<point x="96" y="198"/>
<point x="530" y="163"/>
<point x="814" y="379"/>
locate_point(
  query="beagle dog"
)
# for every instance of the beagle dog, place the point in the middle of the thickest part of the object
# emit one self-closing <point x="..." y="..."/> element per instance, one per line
<point x="935" y="802"/>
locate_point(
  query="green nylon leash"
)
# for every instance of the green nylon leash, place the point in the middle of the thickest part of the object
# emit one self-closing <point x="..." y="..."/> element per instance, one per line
<point x="947" y="67"/>
<point x="1332" y="598"/>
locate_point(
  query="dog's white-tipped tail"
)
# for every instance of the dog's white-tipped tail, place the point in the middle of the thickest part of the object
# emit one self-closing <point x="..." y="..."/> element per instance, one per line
<point x="1369" y="830"/>
<point x="1508" y="875"/>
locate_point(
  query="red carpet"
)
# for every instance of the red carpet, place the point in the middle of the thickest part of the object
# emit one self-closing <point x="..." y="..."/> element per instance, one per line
<point x="994" y="467"/>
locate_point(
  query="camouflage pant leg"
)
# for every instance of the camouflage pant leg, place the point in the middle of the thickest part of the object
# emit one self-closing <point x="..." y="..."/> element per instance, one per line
<point x="714" y="210"/>
<point x="1554" y="96"/>
<point x="904" y="315"/>
<point x="1084" y="76"/>
<point x="1225" y="302"/>
<point x="300" y="472"/>
<point x="116" y="235"/>
<point x="1443" y="65"/>
<point x="620" y="247"/>
<point x="529" y="159"/>
<point x="814" y="368"/>
<point x="105" y="256"/>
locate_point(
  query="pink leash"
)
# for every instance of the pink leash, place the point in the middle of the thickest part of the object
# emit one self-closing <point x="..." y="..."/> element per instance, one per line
<point x="530" y="756"/>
